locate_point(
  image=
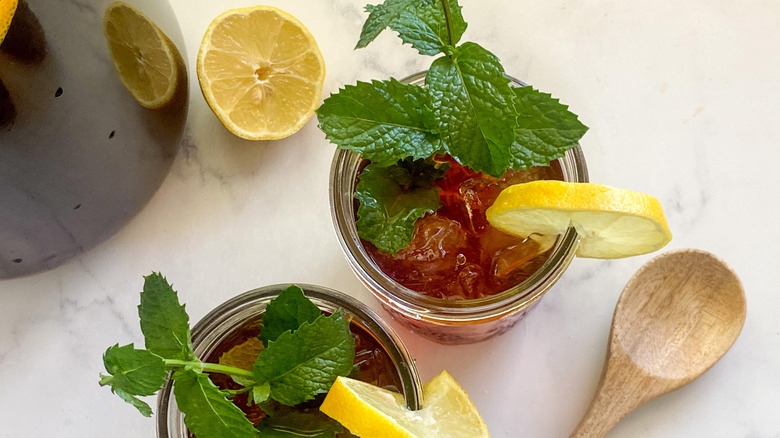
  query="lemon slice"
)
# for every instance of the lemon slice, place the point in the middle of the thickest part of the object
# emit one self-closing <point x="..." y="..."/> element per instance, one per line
<point x="611" y="222"/>
<point x="261" y="72"/>
<point x="145" y="59"/>
<point x="7" y="10"/>
<point x="372" y="412"/>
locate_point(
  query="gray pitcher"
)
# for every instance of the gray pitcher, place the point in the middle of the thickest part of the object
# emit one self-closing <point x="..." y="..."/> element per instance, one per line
<point x="78" y="155"/>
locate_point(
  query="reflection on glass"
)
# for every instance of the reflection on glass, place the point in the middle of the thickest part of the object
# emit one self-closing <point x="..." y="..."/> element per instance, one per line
<point x="7" y="110"/>
<point x="146" y="61"/>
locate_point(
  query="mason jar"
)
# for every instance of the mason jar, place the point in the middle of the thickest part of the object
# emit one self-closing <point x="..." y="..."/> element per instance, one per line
<point x="441" y="320"/>
<point x="235" y="315"/>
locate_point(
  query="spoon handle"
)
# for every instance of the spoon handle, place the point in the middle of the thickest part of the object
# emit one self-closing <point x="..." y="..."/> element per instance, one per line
<point x="604" y="413"/>
<point x="623" y="388"/>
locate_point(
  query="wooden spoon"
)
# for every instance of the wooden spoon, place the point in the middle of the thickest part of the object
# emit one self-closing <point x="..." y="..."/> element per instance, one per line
<point x="676" y="317"/>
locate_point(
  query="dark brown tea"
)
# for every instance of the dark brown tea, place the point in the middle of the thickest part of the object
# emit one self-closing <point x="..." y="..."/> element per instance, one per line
<point x="455" y="253"/>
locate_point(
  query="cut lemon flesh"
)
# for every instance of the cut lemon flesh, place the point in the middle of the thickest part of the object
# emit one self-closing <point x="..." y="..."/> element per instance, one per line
<point x="144" y="58"/>
<point x="261" y="72"/>
<point x="611" y="222"/>
<point x="7" y="10"/>
<point x="372" y="412"/>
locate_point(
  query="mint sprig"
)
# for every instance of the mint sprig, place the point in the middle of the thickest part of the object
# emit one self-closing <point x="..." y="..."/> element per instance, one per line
<point x="305" y="354"/>
<point x="467" y="109"/>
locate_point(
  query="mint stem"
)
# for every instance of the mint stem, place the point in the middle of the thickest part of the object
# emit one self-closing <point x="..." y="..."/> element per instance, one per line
<point x="106" y="380"/>
<point x="448" y="18"/>
<point x="209" y="367"/>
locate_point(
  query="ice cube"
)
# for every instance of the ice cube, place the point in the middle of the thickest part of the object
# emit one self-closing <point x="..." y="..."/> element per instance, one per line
<point x="431" y="260"/>
<point x="515" y="263"/>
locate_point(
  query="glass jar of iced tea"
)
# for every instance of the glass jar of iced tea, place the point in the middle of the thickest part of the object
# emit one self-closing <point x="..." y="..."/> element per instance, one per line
<point x="459" y="280"/>
<point x="380" y="357"/>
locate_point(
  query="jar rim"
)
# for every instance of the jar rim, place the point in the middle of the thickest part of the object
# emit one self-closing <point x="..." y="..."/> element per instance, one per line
<point x="242" y="308"/>
<point x="411" y="302"/>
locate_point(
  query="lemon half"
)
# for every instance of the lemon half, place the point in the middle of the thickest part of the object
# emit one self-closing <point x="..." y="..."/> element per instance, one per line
<point x="611" y="222"/>
<point x="145" y="59"/>
<point x="372" y="412"/>
<point x="261" y="72"/>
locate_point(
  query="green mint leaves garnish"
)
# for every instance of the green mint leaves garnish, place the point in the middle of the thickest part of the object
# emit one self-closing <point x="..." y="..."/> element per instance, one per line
<point x="133" y="373"/>
<point x="380" y="16"/>
<point x="467" y="109"/>
<point x="475" y="108"/>
<point x="393" y="198"/>
<point x="207" y="411"/>
<point x="384" y="120"/>
<point x="164" y="322"/>
<point x="305" y="352"/>
<point x="425" y="27"/>
<point x="301" y="364"/>
<point x="286" y="313"/>
<point x="545" y="129"/>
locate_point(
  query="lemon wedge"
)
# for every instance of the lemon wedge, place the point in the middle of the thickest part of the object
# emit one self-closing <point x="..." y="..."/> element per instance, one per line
<point x="7" y="10"/>
<point x="611" y="222"/>
<point x="145" y="59"/>
<point x="261" y="72"/>
<point x="372" y="412"/>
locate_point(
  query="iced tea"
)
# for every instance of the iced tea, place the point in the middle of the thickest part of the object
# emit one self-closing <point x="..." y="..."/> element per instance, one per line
<point x="455" y="253"/>
<point x="380" y="357"/>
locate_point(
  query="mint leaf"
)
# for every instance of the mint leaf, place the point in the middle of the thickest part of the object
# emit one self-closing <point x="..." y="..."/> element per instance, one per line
<point x="385" y="121"/>
<point x="261" y="393"/>
<point x="412" y="29"/>
<point x="380" y="17"/>
<point x="457" y="25"/>
<point x="425" y="26"/>
<point x="133" y="372"/>
<point x="138" y="372"/>
<point x="286" y="313"/>
<point x="142" y="407"/>
<point x="545" y="130"/>
<point x="207" y="412"/>
<point x="304" y="363"/>
<point x="283" y="421"/>
<point x="473" y="103"/>
<point x="164" y="322"/>
<point x="391" y="200"/>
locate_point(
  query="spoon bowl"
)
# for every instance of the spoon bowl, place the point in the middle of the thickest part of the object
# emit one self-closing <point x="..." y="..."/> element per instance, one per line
<point x="676" y="317"/>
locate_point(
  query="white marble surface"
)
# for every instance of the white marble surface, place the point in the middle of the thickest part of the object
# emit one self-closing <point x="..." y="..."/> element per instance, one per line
<point x="682" y="99"/>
